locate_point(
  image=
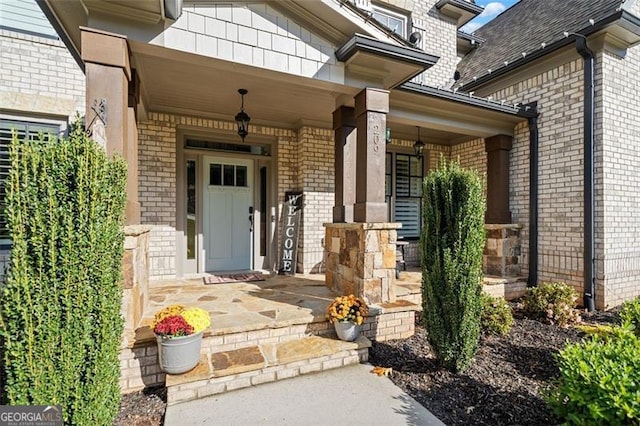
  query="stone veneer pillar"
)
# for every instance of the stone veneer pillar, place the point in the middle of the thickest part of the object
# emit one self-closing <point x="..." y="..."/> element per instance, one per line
<point x="108" y="73"/>
<point x="345" y="164"/>
<point x="498" y="148"/>
<point x="502" y="252"/>
<point x="361" y="260"/>
<point x="135" y="271"/>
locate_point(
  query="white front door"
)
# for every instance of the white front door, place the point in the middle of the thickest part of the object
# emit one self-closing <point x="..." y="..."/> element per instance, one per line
<point x="227" y="211"/>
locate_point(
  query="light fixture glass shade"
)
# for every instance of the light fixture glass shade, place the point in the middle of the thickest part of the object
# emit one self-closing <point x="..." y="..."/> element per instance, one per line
<point x="242" y="118"/>
<point x="418" y="146"/>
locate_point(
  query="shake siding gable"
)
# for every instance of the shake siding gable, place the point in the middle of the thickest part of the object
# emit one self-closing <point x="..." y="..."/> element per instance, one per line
<point x="253" y="34"/>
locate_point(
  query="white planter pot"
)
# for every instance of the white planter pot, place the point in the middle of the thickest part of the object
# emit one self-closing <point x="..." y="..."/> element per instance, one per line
<point x="178" y="355"/>
<point x="347" y="331"/>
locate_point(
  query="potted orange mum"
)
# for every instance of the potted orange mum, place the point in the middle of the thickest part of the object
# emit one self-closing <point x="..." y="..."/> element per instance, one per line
<point x="347" y="314"/>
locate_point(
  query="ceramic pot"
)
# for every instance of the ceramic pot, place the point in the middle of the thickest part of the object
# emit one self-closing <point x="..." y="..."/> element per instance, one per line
<point x="348" y="331"/>
<point x="178" y="355"/>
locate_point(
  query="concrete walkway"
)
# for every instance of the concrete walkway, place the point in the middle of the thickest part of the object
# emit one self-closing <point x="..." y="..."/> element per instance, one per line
<point x="346" y="396"/>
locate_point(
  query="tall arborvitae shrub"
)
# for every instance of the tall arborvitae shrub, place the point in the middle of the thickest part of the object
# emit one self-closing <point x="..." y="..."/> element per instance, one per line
<point x="452" y="242"/>
<point x="60" y="314"/>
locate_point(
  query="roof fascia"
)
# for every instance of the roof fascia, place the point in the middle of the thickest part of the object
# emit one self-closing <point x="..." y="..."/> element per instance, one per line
<point x="360" y="43"/>
<point x="524" y="111"/>
<point x="626" y="20"/>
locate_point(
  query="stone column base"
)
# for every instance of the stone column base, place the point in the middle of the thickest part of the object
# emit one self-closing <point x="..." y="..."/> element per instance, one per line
<point x="361" y="260"/>
<point x="135" y="271"/>
<point x="502" y="252"/>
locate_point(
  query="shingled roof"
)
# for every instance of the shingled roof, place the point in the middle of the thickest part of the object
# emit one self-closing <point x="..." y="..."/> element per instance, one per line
<point x="525" y="26"/>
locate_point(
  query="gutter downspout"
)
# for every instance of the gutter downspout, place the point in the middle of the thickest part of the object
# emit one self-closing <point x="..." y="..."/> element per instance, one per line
<point x="532" y="280"/>
<point x="589" y="196"/>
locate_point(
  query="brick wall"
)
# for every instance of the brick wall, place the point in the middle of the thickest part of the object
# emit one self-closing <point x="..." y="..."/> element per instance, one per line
<point x="471" y="155"/>
<point x="157" y="190"/>
<point x="519" y="189"/>
<point x="428" y="20"/>
<point x="317" y="181"/>
<point x="558" y="91"/>
<point x="39" y="77"/>
<point x="439" y="39"/>
<point x="435" y="153"/>
<point x="618" y="196"/>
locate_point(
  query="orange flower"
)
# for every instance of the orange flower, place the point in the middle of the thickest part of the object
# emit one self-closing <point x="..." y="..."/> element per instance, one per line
<point x="347" y="309"/>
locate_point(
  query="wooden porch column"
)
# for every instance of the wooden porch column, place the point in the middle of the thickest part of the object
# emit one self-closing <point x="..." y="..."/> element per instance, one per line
<point x="108" y="73"/>
<point x="371" y="108"/>
<point x="498" y="148"/>
<point x="345" y="164"/>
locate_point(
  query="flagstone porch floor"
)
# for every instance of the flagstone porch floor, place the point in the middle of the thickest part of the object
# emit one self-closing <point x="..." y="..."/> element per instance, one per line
<point x="278" y="301"/>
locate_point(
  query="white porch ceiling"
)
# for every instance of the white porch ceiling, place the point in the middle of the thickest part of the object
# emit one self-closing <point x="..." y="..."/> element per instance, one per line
<point x="189" y="84"/>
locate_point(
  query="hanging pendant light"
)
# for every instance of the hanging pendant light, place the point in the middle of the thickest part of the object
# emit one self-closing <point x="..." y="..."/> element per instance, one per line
<point x="242" y="118"/>
<point x="418" y="146"/>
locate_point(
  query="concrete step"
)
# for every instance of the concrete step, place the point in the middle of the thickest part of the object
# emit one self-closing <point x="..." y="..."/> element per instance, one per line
<point x="225" y="371"/>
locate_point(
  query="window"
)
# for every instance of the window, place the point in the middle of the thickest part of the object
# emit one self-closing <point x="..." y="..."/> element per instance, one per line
<point x="392" y="20"/>
<point x="191" y="209"/>
<point x="228" y="175"/>
<point x="403" y="192"/>
<point x="24" y="129"/>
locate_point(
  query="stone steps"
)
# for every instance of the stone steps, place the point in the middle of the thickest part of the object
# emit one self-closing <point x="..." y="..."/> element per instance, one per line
<point x="139" y="362"/>
<point x="225" y="371"/>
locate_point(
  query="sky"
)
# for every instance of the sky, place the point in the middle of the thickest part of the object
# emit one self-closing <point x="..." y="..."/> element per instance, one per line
<point x="491" y="10"/>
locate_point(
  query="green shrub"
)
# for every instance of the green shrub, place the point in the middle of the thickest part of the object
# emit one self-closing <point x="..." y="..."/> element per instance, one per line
<point x="630" y="315"/>
<point x="60" y="317"/>
<point x="553" y="303"/>
<point x="452" y="243"/>
<point x="599" y="381"/>
<point x="497" y="315"/>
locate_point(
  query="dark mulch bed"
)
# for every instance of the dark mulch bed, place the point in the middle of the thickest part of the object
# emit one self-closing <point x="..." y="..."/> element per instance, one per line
<point x="502" y="386"/>
<point x="144" y="408"/>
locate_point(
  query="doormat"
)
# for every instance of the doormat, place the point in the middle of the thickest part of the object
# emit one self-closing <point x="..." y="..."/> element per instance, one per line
<point x="233" y="278"/>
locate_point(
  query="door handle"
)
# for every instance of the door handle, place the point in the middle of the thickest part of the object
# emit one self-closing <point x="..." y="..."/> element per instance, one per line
<point x="251" y="219"/>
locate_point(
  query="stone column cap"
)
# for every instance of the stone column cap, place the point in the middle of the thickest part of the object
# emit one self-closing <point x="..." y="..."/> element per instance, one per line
<point x="135" y="230"/>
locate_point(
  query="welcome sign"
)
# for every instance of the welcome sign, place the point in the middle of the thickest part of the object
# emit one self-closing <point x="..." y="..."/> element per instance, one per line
<point x="292" y="212"/>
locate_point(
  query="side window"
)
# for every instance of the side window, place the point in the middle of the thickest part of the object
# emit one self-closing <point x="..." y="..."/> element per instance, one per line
<point x="403" y="192"/>
<point x="24" y="129"/>
<point x="395" y="21"/>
